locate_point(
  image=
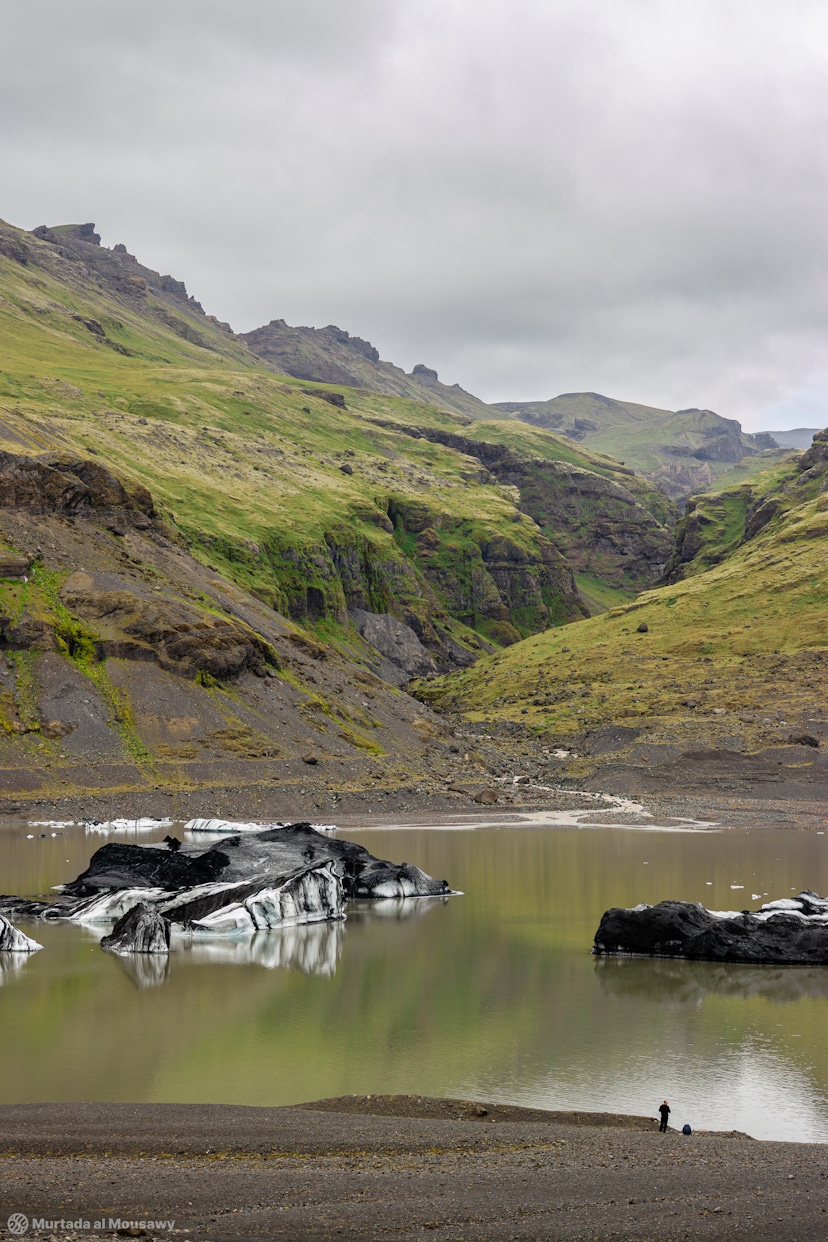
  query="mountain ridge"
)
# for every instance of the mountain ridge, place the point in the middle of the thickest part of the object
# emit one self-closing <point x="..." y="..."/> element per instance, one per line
<point x="306" y="548"/>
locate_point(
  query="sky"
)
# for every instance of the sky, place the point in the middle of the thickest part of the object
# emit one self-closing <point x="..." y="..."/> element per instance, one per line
<point x="531" y="196"/>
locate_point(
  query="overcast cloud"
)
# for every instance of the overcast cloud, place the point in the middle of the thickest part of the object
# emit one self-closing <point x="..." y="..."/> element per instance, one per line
<point x="533" y="196"/>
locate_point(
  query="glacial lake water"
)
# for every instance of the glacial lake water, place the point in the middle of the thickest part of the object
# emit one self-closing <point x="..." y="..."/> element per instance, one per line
<point x="492" y="995"/>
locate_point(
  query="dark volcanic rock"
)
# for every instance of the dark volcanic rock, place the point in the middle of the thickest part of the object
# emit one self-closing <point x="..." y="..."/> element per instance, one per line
<point x="140" y="930"/>
<point x="175" y="634"/>
<point x="790" y="931"/>
<point x="396" y="641"/>
<point x="71" y="486"/>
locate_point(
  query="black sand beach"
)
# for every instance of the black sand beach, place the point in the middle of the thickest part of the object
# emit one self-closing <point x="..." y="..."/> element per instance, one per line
<point x="396" y="1167"/>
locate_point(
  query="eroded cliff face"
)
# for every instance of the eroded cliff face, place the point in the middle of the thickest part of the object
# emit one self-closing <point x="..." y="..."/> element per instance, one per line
<point x="715" y="525"/>
<point x="128" y="667"/>
<point x="596" y="525"/>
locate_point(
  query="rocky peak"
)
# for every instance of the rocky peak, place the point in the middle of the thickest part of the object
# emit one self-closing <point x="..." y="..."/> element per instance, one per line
<point x="357" y="343"/>
<point x="422" y="372"/>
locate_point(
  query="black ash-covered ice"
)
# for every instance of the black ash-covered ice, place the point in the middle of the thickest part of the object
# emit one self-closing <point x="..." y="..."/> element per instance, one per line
<point x="791" y="931"/>
<point x="241" y="884"/>
<point x="12" y="940"/>
<point x="140" y="930"/>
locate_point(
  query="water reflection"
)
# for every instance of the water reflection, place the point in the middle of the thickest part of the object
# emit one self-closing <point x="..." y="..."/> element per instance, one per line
<point x="11" y="964"/>
<point x="313" y="949"/>
<point x="660" y="980"/>
<point x="490" y="995"/>
<point x="396" y="908"/>
<point x="146" y="970"/>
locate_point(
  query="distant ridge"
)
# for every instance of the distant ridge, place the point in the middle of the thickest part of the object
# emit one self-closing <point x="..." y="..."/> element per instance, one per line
<point x="684" y="451"/>
<point x="331" y="355"/>
<point x="794" y="437"/>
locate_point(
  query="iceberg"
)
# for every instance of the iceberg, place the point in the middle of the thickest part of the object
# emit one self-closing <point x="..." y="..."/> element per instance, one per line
<point x="790" y="931"/>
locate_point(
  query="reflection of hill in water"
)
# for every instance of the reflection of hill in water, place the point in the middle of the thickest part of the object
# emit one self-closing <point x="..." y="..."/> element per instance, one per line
<point x="688" y="983"/>
<point x="11" y="964"/>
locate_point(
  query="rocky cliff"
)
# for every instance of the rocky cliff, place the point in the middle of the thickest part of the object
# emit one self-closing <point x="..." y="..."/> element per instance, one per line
<point x="331" y="355"/>
<point x="715" y="525"/>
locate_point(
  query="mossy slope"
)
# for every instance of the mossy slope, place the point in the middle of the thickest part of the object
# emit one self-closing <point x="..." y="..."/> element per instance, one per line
<point x="298" y="494"/>
<point x="732" y="653"/>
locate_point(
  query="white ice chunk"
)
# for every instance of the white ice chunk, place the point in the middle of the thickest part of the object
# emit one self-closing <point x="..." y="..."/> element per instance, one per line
<point x="312" y="897"/>
<point x="224" y="827"/>
<point x="14" y="941"/>
<point x="109" y="907"/>
<point x="142" y="824"/>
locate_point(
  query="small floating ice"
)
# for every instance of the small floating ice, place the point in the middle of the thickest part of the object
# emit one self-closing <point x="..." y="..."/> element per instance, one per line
<point x="14" y="941"/>
<point x="144" y="823"/>
<point x="225" y="826"/>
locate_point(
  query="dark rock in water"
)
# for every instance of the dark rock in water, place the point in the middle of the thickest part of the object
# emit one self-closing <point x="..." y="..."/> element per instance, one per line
<point x="141" y="930"/>
<point x="273" y="852"/>
<point x="792" y="931"/>
<point x="14" y="941"/>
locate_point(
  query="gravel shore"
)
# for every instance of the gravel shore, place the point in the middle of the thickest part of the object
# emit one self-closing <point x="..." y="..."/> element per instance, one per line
<point x="396" y="1167"/>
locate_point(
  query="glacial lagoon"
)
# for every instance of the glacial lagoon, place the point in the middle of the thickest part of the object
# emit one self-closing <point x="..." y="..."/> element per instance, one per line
<point x="491" y="995"/>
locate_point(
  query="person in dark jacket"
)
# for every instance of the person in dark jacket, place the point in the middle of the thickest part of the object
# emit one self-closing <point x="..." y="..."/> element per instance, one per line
<point x="664" y="1109"/>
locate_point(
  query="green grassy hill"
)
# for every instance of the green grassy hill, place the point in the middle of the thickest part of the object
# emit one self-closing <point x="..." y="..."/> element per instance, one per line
<point x="733" y="654"/>
<point x="212" y="573"/>
<point x="683" y="451"/>
<point x="315" y="500"/>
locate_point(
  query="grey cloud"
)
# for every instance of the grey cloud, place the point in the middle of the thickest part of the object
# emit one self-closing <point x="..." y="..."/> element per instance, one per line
<point x="535" y="196"/>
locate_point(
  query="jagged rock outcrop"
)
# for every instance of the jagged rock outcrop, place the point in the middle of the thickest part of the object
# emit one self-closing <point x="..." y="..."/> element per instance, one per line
<point x="331" y="355"/>
<point x="397" y="643"/>
<point x="176" y="635"/>
<point x="12" y="940"/>
<point x="71" y="486"/>
<point x="140" y="930"/>
<point x="816" y="457"/>
<point x="596" y="524"/>
<point x="792" y="931"/>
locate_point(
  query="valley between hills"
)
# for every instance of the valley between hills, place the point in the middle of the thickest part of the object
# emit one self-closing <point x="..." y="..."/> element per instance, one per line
<point x="272" y="575"/>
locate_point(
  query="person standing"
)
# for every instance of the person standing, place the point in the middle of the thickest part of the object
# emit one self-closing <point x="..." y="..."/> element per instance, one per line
<point x="664" y="1109"/>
